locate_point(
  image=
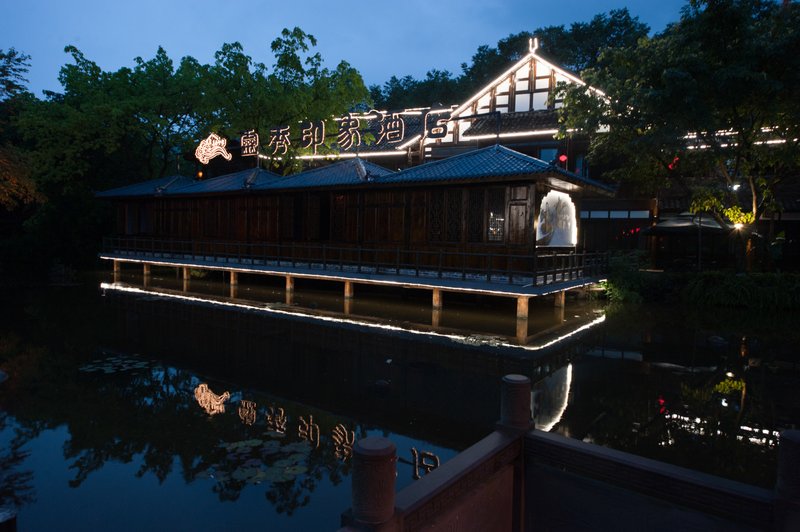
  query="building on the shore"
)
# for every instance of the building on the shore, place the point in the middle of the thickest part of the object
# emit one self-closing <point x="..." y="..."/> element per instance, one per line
<point x="359" y="202"/>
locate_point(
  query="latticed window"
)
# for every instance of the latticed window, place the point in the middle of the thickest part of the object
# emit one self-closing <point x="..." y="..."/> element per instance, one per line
<point x="496" y="206"/>
<point x="454" y="215"/>
<point x="436" y="216"/>
<point x="475" y="216"/>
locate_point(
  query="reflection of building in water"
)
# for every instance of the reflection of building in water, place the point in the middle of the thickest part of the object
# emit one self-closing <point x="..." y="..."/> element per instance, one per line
<point x="209" y="401"/>
<point x="549" y="398"/>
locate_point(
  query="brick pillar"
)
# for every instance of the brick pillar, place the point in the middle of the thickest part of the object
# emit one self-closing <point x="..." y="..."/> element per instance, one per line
<point x="515" y="402"/>
<point x="374" y="475"/>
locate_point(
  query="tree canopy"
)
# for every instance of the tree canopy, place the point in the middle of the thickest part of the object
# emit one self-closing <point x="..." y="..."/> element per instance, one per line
<point x="111" y="128"/>
<point x="576" y="48"/>
<point x="710" y="105"/>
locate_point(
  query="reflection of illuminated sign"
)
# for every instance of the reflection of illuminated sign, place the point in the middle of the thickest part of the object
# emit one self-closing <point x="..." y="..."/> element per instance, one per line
<point x="343" y="440"/>
<point x="209" y="401"/>
<point x="424" y="461"/>
<point x="276" y="420"/>
<point x="247" y="412"/>
<point x="309" y="431"/>
<point x="210" y="147"/>
<point x="557" y="225"/>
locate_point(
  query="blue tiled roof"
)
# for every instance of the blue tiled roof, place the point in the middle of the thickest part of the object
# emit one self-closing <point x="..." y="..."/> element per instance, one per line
<point x="148" y="188"/>
<point x="252" y="178"/>
<point x="493" y="161"/>
<point x="344" y="173"/>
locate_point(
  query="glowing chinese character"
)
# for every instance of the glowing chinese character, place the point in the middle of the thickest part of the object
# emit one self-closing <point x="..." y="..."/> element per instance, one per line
<point x="247" y="412"/>
<point x="249" y="143"/>
<point x="392" y="130"/>
<point x="313" y="135"/>
<point x="276" y="420"/>
<point x="279" y="140"/>
<point x="209" y="401"/>
<point x="349" y="135"/>
<point x="343" y="440"/>
<point x="425" y="461"/>
<point x="435" y="128"/>
<point x="309" y="431"/>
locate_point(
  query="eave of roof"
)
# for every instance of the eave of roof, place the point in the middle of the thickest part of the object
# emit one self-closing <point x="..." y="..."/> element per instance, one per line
<point x="147" y="188"/>
<point x="492" y="163"/>
<point x="344" y="173"/>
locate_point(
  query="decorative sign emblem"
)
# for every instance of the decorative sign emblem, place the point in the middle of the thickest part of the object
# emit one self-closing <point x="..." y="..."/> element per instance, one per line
<point x="211" y="147"/>
<point x="249" y="143"/>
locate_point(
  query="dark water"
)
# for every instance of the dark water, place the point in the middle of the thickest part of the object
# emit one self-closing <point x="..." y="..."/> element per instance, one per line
<point x="101" y="427"/>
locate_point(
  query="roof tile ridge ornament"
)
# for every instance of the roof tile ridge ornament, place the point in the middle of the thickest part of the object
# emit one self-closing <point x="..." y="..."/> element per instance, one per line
<point x="250" y="180"/>
<point x="161" y="188"/>
<point x="533" y="45"/>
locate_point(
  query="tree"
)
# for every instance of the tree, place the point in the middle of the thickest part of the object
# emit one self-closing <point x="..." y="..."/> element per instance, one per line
<point x="13" y="66"/>
<point x="576" y="48"/>
<point x="16" y="188"/>
<point x="709" y="105"/>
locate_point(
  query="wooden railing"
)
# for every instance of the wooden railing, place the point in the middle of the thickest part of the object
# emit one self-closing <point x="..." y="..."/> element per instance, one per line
<point x="513" y="268"/>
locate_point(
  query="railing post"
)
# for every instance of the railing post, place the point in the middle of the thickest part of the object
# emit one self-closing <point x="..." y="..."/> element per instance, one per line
<point x="515" y="402"/>
<point x="374" y="476"/>
<point x="787" y="485"/>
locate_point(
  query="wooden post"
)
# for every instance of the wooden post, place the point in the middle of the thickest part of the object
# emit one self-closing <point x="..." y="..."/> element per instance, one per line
<point x="186" y="273"/>
<point x="522" y="331"/>
<point x="146" y="269"/>
<point x="348" y="305"/>
<point x="289" y="290"/>
<point x="348" y="289"/>
<point x="560" y="298"/>
<point x="436" y="317"/>
<point x="522" y="307"/>
<point x="374" y="478"/>
<point x="234" y="278"/>
<point x="437" y="299"/>
<point x="117" y="269"/>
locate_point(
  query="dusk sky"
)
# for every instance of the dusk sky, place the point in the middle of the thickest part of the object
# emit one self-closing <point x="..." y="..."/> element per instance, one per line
<point x="378" y="38"/>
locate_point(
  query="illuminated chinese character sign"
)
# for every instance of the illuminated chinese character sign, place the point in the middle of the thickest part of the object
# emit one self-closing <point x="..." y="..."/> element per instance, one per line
<point x="557" y="225"/>
<point x="249" y="143"/>
<point x="210" y="147"/>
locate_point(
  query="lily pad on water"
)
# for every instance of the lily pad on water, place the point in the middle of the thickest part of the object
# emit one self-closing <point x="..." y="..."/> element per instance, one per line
<point x="298" y="447"/>
<point x="277" y="475"/>
<point x="295" y="470"/>
<point x="284" y="462"/>
<point x="297" y="457"/>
